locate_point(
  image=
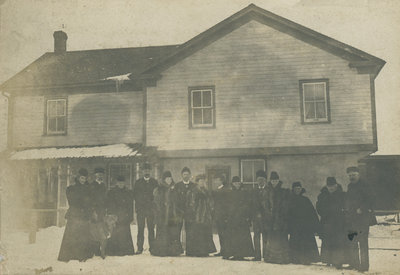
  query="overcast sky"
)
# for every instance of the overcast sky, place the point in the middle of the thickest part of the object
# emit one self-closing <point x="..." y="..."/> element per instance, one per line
<point x="373" y="26"/>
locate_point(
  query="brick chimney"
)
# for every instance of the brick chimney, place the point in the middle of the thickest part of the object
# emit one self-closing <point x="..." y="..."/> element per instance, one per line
<point x="60" y="42"/>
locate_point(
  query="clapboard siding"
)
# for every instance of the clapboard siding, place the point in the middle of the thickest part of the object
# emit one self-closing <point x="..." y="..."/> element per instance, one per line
<point x="105" y="118"/>
<point x="256" y="72"/>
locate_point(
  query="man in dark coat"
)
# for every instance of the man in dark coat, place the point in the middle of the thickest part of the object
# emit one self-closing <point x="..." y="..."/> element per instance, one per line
<point x="221" y="204"/>
<point x="97" y="190"/>
<point x="359" y="205"/>
<point x="238" y="243"/>
<point x="276" y="206"/>
<point x="303" y="224"/>
<point x="257" y="214"/>
<point x="182" y="189"/>
<point x="330" y="206"/>
<point x="120" y="204"/>
<point x="143" y="196"/>
<point x="75" y="244"/>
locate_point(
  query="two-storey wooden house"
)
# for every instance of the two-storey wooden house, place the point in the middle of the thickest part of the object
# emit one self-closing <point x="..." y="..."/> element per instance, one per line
<point x="256" y="91"/>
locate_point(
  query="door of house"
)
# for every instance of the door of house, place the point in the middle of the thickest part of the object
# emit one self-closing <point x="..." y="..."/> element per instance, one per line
<point x="213" y="171"/>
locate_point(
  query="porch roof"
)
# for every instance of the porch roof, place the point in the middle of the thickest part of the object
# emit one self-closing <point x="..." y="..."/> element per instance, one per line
<point x="106" y="151"/>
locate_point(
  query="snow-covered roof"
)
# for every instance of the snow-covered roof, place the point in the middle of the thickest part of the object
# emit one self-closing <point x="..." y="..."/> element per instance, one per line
<point x="106" y="151"/>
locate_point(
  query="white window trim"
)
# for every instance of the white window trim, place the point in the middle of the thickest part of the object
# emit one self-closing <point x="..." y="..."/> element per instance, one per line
<point x="241" y="169"/>
<point x="202" y="108"/>
<point x="48" y="117"/>
<point x="315" y="105"/>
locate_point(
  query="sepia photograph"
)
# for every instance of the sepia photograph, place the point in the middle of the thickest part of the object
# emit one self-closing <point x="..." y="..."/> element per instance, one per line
<point x="199" y="137"/>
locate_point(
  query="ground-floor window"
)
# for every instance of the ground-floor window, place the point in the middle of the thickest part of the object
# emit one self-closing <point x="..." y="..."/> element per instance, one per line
<point x="120" y="169"/>
<point x="248" y="169"/>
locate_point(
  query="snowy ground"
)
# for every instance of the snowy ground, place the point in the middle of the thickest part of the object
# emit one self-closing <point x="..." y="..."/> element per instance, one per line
<point x="24" y="258"/>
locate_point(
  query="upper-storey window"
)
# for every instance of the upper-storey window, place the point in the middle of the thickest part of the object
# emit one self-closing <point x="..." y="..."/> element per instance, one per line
<point x="201" y="107"/>
<point x="56" y="116"/>
<point x="314" y="101"/>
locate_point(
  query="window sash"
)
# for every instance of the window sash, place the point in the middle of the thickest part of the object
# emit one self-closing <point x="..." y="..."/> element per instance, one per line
<point x="253" y="169"/>
<point x="54" y="105"/>
<point x="314" y="102"/>
<point x="202" y="107"/>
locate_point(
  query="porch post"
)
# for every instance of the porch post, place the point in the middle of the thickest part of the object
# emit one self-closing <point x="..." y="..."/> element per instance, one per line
<point x="59" y="171"/>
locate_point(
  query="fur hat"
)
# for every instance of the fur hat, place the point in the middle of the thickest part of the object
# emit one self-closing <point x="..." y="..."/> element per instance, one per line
<point x="236" y="179"/>
<point x="352" y="169"/>
<point x="274" y="176"/>
<point x="330" y="181"/>
<point x="296" y="184"/>
<point x="261" y="174"/>
<point x="185" y="169"/>
<point x="166" y="174"/>
<point x="83" y="172"/>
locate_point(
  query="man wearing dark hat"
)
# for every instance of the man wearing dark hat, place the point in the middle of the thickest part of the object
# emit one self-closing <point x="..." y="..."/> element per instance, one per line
<point x="143" y="195"/>
<point x="97" y="191"/>
<point x="259" y="193"/>
<point x="330" y="207"/>
<point x="221" y="202"/>
<point x="182" y="188"/>
<point x="359" y="205"/>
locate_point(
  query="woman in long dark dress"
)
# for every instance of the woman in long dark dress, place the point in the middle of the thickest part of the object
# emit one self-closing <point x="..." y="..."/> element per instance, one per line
<point x="168" y="217"/>
<point x="276" y="206"/>
<point x="76" y="243"/>
<point x="120" y="204"/>
<point x="238" y="239"/>
<point x="303" y="224"/>
<point x="199" y="237"/>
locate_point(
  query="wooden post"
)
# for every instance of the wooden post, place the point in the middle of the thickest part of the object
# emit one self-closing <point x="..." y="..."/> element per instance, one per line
<point x="59" y="171"/>
<point x="33" y="227"/>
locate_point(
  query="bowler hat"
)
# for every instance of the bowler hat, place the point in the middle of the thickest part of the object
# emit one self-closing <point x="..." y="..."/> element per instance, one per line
<point x="261" y="174"/>
<point x="166" y="174"/>
<point x="99" y="170"/>
<point x="83" y="172"/>
<point x="352" y="169"/>
<point x="330" y="181"/>
<point x="235" y="179"/>
<point x="185" y="169"/>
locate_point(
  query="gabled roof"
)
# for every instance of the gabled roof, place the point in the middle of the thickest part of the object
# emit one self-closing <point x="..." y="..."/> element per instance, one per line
<point x="361" y="60"/>
<point x="94" y="66"/>
<point x="83" y="67"/>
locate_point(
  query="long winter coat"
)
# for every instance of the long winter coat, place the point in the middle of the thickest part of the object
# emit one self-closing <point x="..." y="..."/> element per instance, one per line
<point x="183" y="197"/>
<point x="120" y="203"/>
<point x="221" y="206"/>
<point x="359" y="196"/>
<point x="143" y="195"/>
<point x="199" y="238"/>
<point x="238" y="241"/>
<point x="330" y="207"/>
<point x="98" y="196"/>
<point x="276" y="206"/>
<point x="75" y="244"/>
<point x="168" y="217"/>
<point x="303" y="224"/>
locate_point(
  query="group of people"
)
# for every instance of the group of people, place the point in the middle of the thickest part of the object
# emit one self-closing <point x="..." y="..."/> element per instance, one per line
<point x="284" y="221"/>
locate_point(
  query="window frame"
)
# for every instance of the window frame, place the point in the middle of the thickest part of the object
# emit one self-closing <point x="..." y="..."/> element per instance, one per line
<point x="47" y="117"/>
<point x="260" y="158"/>
<point x="191" y="108"/>
<point x="303" y="82"/>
